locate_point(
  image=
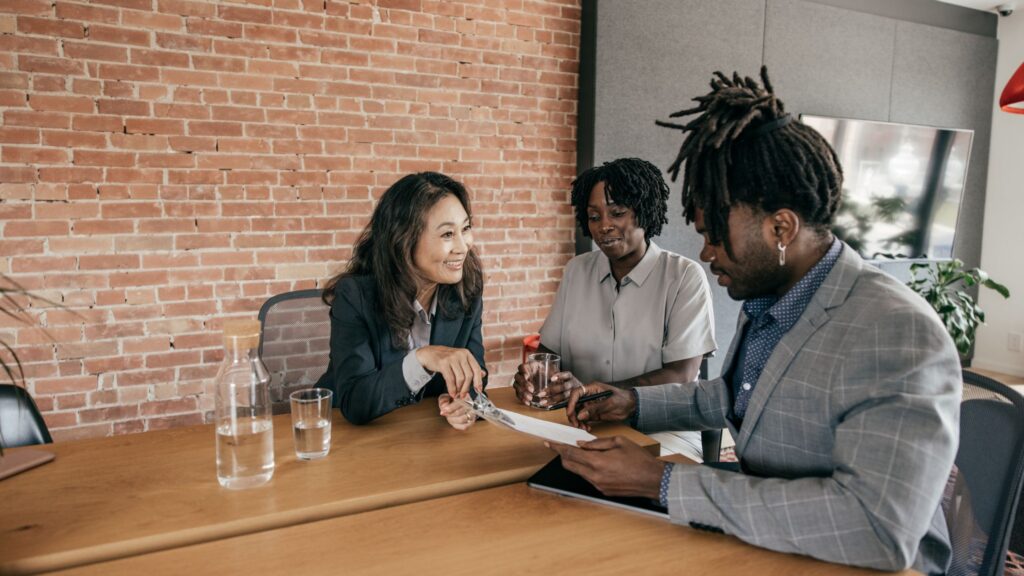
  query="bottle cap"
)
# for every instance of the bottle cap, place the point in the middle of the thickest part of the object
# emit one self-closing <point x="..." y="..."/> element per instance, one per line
<point x="242" y="333"/>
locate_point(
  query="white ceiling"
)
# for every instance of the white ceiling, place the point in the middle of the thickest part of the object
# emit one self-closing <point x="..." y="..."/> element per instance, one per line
<point x="978" y="4"/>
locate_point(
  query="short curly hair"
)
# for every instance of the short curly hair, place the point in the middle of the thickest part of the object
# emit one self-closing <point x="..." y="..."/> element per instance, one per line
<point x="631" y="182"/>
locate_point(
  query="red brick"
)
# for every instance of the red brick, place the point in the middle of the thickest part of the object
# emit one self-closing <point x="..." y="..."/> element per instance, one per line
<point x="60" y="66"/>
<point x="40" y="7"/>
<point x="20" y="155"/>
<point x="95" y="158"/>
<point x="13" y="80"/>
<point x="159" y="58"/>
<point x="65" y="385"/>
<point x="150" y="21"/>
<point x="86" y="51"/>
<point x="38" y="119"/>
<point x="126" y="72"/>
<point x="119" y="35"/>
<point x="95" y="123"/>
<point x="67" y="139"/>
<point x="241" y="14"/>
<point x="183" y="42"/>
<point x="47" y="27"/>
<point x="71" y="11"/>
<point x="61" y="103"/>
<point x="42" y="228"/>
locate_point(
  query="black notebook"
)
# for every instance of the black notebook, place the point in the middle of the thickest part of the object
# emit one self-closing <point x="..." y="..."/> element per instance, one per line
<point x="554" y="478"/>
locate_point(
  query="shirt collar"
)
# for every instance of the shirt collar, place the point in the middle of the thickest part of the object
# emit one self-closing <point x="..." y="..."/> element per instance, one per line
<point x="638" y="274"/>
<point x="418" y="308"/>
<point x="787" y="310"/>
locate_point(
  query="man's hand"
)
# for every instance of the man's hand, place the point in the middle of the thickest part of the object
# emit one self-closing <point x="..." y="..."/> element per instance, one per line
<point x="616" y="466"/>
<point x="616" y="408"/>
<point x="457" y="366"/>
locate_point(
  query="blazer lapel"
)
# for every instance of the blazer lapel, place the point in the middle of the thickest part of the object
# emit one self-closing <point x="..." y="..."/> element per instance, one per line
<point x="445" y="331"/>
<point x="832" y="292"/>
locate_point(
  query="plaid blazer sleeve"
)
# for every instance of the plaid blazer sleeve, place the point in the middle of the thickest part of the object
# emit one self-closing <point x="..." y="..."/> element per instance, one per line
<point x="853" y="445"/>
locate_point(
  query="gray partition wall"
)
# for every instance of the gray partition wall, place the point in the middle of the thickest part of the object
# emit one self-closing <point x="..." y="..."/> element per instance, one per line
<point x="921" y="62"/>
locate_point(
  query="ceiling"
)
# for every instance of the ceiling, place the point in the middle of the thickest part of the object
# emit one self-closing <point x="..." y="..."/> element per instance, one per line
<point x="977" y="4"/>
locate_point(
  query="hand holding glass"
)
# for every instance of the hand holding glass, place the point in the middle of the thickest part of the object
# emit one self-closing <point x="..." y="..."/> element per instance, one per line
<point x="541" y="367"/>
<point x="311" y="422"/>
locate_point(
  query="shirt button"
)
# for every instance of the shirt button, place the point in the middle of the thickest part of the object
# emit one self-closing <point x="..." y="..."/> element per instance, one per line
<point x="746" y="386"/>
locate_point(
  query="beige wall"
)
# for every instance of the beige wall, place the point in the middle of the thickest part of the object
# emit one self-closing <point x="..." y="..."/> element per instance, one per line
<point x="1002" y="253"/>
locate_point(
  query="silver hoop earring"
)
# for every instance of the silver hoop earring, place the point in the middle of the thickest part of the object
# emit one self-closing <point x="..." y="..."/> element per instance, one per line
<point x="782" y="254"/>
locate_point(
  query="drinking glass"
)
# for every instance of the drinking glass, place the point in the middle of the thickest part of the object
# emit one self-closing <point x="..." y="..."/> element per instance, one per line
<point x="311" y="422"/>
<point x="541" y="367"/>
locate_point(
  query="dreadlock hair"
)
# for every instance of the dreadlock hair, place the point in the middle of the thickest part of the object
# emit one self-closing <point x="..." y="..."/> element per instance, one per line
<point x="385" y="250"/>
<point x="743" y="148"/>
<point x="631" y="182"/>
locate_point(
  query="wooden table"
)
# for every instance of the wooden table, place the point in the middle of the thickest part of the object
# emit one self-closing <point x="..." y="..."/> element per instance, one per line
<point x="504" y="530"/>
<point x="113" y="497"/>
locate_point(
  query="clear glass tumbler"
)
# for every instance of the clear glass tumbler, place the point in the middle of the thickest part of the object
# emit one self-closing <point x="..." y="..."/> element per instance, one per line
<point x="311" y="422"/>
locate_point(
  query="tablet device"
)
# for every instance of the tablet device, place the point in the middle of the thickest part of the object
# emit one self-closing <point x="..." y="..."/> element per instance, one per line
<point x="554" y="478"/>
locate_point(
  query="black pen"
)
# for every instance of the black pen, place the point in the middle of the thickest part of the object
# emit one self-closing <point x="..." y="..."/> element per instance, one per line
<point x="579" y="403"/>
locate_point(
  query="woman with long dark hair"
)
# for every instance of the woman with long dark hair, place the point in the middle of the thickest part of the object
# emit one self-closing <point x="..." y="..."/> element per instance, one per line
<point x="406" y="311"/>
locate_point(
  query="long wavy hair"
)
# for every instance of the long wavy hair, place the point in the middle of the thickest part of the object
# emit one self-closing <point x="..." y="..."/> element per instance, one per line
<point x="386" y="246"/>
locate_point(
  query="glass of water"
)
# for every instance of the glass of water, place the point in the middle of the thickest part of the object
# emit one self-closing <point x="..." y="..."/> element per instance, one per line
<point x="311" y="422"/>
<point x="542" y="367"/>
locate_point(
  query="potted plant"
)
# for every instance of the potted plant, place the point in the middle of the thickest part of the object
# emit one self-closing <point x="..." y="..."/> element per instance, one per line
<point x="943" y="285"/>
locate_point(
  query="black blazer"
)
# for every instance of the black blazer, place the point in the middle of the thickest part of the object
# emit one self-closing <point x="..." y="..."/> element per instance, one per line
<point x="365" y="370"/>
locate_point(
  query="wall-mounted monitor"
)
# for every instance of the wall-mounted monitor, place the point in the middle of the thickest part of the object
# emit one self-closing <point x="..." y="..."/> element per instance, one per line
<point x="902" y="185"/>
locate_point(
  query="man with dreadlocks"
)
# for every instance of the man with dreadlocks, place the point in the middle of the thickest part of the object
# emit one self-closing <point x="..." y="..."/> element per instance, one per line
<point x="630" y="313"/>
<point x="842" y="388"/>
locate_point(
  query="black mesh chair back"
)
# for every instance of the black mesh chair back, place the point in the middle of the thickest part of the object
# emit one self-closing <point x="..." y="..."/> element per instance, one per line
<point x="295" y="342"/>
<point x="710" y="440"/>
<point x="986" y="481"/>
<point x="21" y="424"/>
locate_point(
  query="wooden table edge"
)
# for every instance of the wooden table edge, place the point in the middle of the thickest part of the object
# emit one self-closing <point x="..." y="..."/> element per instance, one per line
<point x="181" y="538"/>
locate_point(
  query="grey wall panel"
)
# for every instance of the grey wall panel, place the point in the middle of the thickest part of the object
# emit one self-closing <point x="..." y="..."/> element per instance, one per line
<point x="828" y="61"/>
<point x="831" y="57"/>
<point x="947" y="78"/>
<point x="652" y="57"/>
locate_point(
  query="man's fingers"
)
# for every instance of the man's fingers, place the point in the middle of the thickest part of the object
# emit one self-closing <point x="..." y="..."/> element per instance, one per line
<point x="601" y="443"/>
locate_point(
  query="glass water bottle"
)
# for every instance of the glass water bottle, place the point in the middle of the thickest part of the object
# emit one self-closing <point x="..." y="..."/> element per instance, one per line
<point x="245" y="430"/>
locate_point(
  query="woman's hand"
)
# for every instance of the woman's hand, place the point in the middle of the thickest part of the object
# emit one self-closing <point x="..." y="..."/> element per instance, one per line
<point x="457" y="413"/>
<point x="457" y="366"/>
<point x="556" y="391"/>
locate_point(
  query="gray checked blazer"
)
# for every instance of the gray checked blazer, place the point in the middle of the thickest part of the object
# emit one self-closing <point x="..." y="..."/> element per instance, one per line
<point x="849" y="436"/>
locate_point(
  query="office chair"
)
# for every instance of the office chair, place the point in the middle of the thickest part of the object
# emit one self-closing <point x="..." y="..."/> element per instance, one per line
<point x="987" y="476"/>
<point x="21" y="424"/>
<point x="295" y="342"/>
<point x="710" y="440"/>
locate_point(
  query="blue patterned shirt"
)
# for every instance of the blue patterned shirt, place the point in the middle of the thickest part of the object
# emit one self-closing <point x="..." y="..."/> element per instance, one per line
<point x="769" y="318"/>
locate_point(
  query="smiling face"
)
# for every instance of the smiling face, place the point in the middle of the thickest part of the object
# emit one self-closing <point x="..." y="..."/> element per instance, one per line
<point x="753" y="268"/>
<point x="613" y="228"/>
<point x="443" y="245"/>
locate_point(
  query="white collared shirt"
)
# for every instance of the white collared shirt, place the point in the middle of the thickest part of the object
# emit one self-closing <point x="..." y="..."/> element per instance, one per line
<point x="416" y="376"/>
<point x="661" y="313"/>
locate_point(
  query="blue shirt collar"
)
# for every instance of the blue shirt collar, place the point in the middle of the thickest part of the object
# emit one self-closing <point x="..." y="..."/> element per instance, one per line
<point x="787" y="310"/>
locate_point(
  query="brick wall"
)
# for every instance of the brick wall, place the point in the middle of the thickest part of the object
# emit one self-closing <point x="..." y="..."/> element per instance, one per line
<point x="167" y="164"/>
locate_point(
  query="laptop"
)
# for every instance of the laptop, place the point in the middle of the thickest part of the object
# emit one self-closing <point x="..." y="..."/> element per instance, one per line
<point x="554" y="478"/>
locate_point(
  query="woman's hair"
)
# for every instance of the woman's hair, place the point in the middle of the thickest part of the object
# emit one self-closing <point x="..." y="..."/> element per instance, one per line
<point x="385" y="251"/>
<point x="743" y="148"/>
<point x="631" y="182"/>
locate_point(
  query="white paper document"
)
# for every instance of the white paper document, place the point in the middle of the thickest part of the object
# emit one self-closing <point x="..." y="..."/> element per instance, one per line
<point x="550" y="431"/>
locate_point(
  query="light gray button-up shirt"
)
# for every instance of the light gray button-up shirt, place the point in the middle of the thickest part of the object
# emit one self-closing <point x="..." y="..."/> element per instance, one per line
<point x="661" y="313"/>
<point x="416" y="376"/>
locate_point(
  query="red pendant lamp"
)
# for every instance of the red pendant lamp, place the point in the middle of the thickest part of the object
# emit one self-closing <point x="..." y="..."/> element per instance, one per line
<point x="1012" y="98"/>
